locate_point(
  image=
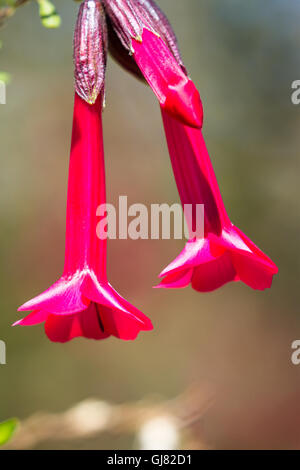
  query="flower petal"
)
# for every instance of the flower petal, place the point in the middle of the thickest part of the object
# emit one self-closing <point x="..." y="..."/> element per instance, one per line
<point x="194" y="253"/>
<point x="65" y="328"/>
<point x="34" y="318"/>
<point x="252" y="272"/>
<point x="210" y="276"/>
<point x="110" y="301"/>
<point x="263" y="258"/>
<point x="176" y="280"/>
<point x="218" y="260"/>
<point x="121" y="325"/>
<point x="64" y="298"/>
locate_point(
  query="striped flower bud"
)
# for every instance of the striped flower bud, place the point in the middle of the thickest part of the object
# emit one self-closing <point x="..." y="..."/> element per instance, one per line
<point x="90" y="51"/>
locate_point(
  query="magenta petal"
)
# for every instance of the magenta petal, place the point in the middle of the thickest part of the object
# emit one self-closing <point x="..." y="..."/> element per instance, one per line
<point x="194" y="253"/>
<point x="252" y="272"/>
<point x="216" y="261"/>
<point x="117" y="311"/>
<point x="65" y="328"/>
<point x="101" y="293"/>
<point x="210" y="276"/>
<point x="64" y="297"/>
<point x="253" y="267"/>
<point x="61" y="329"/>
<point x="176" y="93"/>
<point x="34" y="318"/>
<point x="121" y="325"/>
<point x="209" y="268"/>
<point x="186" y="259"/>
<point x="260" y="255"/>
<point x="177" y="280"/>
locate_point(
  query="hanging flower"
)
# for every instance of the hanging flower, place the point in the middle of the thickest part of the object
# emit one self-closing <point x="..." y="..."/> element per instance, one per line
<point x="82" y="302"/>
<point x="223" y="253"/>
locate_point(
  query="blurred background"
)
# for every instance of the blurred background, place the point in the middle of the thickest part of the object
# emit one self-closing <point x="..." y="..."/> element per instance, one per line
<point x="223" y="358"/>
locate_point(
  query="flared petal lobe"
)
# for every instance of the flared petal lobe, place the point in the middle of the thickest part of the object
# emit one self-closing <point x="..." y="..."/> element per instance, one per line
<point x="64" y="297"/>
<point x="211" y="268"/>
<point x="225" y="254"/>
<point x="35" y="318"/>
<point x="86" y="324"/>
<point x="119" y="317"/>
<point x="103" y="312"/>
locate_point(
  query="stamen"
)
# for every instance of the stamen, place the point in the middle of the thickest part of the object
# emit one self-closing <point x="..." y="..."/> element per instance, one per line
<point x="99" y="318"/>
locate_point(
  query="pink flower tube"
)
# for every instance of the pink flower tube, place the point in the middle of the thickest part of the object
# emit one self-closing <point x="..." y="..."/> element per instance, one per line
<point x="82" y="302"/>
<point x="224" y="254"/>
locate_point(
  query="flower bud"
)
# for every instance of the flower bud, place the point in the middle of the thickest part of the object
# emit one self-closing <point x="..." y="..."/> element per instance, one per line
<point x="126" y="21"/>
<point x="90" y="50"/>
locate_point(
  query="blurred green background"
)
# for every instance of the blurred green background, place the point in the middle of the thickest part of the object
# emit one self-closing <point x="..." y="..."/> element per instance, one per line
<point x="243" y="56"/>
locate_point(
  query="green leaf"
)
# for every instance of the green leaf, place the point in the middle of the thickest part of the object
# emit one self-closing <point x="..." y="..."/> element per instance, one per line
<point x="49" y="16"/>
<point x="7" y="429"/>
<point x="5" y="77"/>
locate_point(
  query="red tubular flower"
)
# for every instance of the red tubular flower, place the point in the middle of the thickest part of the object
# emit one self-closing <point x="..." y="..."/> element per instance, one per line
<point x="82" y="302"/>
<point x="224" y="253"/>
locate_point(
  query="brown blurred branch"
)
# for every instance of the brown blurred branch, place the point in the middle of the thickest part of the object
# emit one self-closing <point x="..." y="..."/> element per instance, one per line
<point x="7" y="11"/>
<point x="94" y="417"/>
